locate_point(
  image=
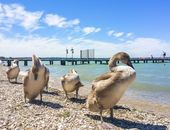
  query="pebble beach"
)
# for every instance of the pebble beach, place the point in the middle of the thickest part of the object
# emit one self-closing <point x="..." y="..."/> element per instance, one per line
<point x="56" y="114"/>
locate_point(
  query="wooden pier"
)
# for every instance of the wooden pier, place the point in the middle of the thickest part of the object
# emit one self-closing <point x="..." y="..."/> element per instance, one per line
<point x="78" y="61"/>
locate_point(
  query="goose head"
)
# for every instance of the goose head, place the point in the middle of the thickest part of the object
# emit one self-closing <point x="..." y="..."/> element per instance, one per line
<point x="71" y="75"/>
<point x="35" y="66"/>
<point x="15" y="62"/>
<point x="73" y="71"/>
<point x="121" y="56"/>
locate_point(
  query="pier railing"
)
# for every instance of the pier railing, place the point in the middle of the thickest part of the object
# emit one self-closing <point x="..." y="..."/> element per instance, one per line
<point x="76" y="61"/>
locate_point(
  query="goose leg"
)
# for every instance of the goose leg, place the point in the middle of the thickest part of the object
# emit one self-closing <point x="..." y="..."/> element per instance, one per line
<point x="25" y="98"/>
<point x="15" y="80"/>
<point x="47" y="83"/>
<point x="111" y="112"/>
<point x="9" y="80"/>
<point x="41" y="96"/>
<point x="66" y="96"/>
<point x="47" y="87"/>
<point x="101" y="117"/>
<point x="77" y="93"/>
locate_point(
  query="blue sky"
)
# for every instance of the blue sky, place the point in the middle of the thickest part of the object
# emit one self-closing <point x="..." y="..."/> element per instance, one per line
<point x="140" y="27"/>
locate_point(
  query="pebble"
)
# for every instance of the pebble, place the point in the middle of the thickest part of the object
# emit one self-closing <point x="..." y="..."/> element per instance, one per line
<point x="54" y="113"/>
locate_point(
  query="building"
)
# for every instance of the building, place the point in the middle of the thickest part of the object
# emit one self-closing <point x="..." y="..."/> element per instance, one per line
<point x="87" y="54"/>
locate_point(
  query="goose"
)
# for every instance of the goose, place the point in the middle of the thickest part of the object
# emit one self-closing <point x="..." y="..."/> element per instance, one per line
<point x="71" y="82"/>
<point x="13" y="71"/>
<point x="108" y="88"/>
<point x="36" y="80"/>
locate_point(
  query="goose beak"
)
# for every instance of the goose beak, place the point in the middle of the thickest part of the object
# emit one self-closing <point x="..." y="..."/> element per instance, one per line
<point x="130" y="64"/>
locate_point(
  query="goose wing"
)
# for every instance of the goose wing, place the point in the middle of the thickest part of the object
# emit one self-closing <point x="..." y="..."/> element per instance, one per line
<point x="106" y="82"/>
<point x="10" y="69"/>
<point x="72" y="77"/>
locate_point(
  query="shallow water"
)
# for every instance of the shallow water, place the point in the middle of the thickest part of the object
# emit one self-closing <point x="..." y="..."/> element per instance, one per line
<point x="152" y="82"/>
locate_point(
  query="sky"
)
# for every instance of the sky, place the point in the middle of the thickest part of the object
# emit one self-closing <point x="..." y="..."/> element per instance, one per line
<point x="46" y="28"/>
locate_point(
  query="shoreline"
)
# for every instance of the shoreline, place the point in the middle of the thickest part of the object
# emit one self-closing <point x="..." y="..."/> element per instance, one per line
<point x="148" y="106"/>
<point x="54" y="113"/>
<point x="150" y="86"/>
<point x="161" y="109"/>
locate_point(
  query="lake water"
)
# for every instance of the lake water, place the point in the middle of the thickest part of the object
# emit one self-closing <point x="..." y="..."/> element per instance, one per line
<point x="152" y="82"/>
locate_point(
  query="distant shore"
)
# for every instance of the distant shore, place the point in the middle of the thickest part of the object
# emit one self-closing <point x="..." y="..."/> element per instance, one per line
<point x="54" y="113"/>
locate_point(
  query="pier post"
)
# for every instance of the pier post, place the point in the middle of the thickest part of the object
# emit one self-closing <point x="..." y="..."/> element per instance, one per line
<point x="95" y="61"/>
<point x="88" y="62"/>
<point x="9" y="62"/>
<point x="72" y="62"/>
<point x="107" y="61"/>
<point x="51" y="62"/>
<point x="63" y="62"/>
<point x="25" y="62"/>
<point x="101" y="62"/>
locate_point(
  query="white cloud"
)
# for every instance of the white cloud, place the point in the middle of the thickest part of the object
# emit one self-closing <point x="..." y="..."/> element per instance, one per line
<point x="129" y="34"/>
<point x="115" y="34"/>
<point x="69" y="37"/>
<point x="11" y="14"/>
<point x="26" y="46"/>
<point x="88" y="30"/>
<point x="59" y="21"/>
<point x="118" y="34"/>
<point x="139" y="47"/>
<point x="142" y="47"/>
<point x="110" y="33"/>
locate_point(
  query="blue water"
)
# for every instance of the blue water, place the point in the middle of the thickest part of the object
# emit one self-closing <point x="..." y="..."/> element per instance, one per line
<point x="152" y="82"/>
